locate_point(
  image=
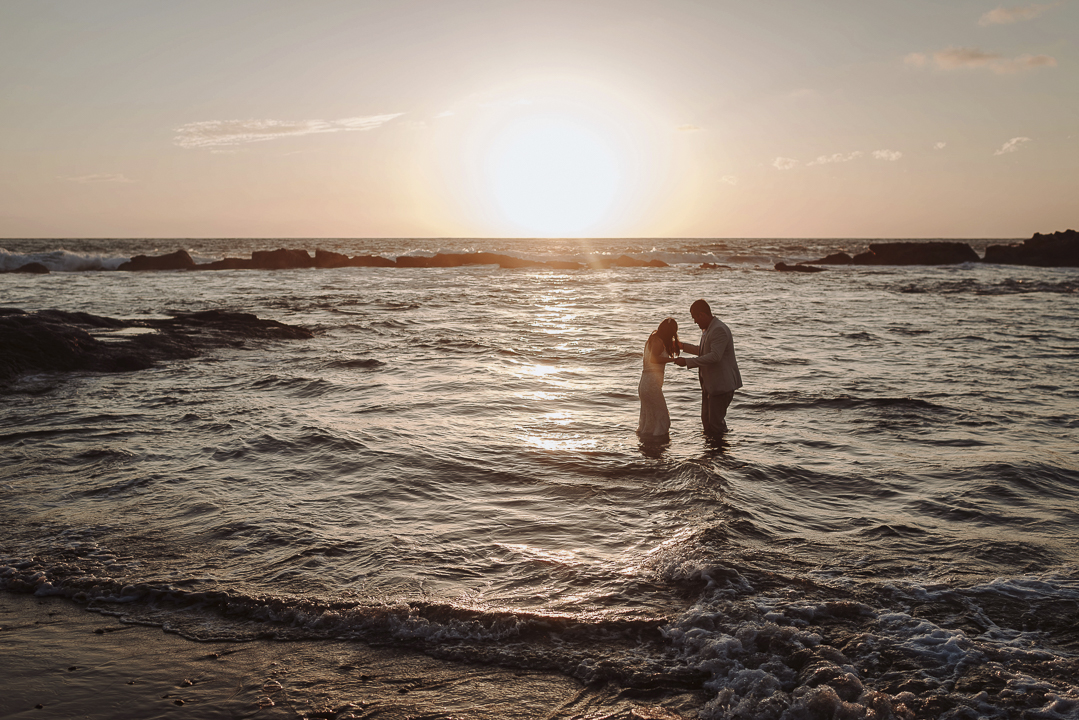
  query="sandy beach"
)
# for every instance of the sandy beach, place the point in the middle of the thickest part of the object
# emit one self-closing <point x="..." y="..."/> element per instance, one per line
<point x="58" y="660"/>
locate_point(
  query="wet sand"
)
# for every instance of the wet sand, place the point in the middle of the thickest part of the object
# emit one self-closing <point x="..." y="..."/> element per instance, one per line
<point x="58" y="660"/>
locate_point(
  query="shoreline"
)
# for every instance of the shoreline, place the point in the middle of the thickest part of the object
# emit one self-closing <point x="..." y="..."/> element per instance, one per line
<point x="60" y="660"/>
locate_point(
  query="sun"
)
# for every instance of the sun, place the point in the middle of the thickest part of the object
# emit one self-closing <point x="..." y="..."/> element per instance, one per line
<point x="552" y="175"/>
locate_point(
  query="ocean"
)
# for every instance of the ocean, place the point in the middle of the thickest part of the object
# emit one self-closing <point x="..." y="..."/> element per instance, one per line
<point x="449" y="464"/>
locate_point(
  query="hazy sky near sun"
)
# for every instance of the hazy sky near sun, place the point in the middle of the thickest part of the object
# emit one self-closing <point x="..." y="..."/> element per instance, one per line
<point x="481" y="118"/>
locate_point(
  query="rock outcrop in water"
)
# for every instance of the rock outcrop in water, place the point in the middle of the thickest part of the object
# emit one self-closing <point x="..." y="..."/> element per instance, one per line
<point x="58" y="341"/>
<point x="917" y="253"/>
<point x="285" y="259"/>
<point x="1061" y="249"/>
<point x="179" y="260"/>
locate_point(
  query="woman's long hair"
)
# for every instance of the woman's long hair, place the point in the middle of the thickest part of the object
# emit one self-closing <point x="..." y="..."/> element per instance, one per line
<point x="667" y="332"/>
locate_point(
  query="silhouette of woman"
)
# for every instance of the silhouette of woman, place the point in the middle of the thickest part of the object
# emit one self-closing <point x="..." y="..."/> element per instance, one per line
<point x="661" y="348"/>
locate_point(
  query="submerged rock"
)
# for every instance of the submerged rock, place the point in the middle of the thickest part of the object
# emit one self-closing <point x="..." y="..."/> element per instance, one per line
<point x="839" y="258"/>
<point x="58" y="341"/>
<point x="917" y="253"/>
<point x="1061" y="249"/>
<point x="784" y="267"/>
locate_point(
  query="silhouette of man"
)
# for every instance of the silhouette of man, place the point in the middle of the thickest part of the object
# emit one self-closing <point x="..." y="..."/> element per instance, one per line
<point x="718" y="373"/>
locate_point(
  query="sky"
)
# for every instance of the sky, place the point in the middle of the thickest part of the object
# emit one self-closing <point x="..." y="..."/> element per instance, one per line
<point x="495" y="118"/>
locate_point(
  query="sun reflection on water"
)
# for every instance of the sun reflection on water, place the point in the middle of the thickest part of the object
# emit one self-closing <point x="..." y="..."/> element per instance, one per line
<point x="574" y="443"/>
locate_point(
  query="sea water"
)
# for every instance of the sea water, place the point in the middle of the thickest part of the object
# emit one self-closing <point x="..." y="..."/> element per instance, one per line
<point x="450" y="464"/>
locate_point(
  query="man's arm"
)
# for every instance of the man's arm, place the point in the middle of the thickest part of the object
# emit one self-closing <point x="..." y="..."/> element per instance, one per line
<point x="716" y="341"/>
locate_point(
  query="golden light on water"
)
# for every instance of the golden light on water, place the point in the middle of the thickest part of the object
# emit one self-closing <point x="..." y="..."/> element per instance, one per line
<point x="557" y="438"/>
<point x="574" y="443"/>
<point x="565" y="557"/>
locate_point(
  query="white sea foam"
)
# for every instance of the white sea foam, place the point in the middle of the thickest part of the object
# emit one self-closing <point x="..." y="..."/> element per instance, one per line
<point x="59" y="261"/>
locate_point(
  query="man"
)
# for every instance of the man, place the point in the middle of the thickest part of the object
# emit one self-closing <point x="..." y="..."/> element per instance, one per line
<point x="718" y="374"/>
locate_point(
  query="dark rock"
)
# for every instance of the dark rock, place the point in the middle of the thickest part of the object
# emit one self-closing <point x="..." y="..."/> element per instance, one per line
<point x="370" y="261"/>
<point x="1061" y="249"/>
<point x="413" y="261"/>
<point x="784" y="267"/>
<point x="839" y="258"/>
<point x="227" y="264"/>
<point x="480" y="258"/>
<point x="178" y="260"/>
<point x="57" y="341"/>
<point x="281" y="259"/>
<point x="34" y="267"/>
<point x="328" y="259"/>
<point x="915" y="253"/>
<point x="715" y="266"/>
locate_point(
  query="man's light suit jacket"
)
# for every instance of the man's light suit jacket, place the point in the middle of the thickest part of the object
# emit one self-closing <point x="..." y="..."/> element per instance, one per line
<point x="715" y="357"/>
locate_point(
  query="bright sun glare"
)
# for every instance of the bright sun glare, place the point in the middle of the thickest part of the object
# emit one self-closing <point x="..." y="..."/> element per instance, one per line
<point x="552" y="176"/>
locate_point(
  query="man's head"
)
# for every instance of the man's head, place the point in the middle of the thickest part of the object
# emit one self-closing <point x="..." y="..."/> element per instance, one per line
<point x="702" y="314"/>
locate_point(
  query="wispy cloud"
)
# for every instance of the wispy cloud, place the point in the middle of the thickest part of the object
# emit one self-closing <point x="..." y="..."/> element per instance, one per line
<point x="1026" y="62"/>
<point x="783" y="163"/>
<point x="940" y="146"/>
<point x="1012" y="145"/>
<point x="973" y="58"/>
<point x="729" y="179"/>
<point x="889" y="155"/>
<point x="837" y="158"/>
<point x="99" y="178"/>
<point x="1007" y="16"/>
<point x="953" y="58"/>
<point x="688" y="128"/>
<point x="216" y="133"/>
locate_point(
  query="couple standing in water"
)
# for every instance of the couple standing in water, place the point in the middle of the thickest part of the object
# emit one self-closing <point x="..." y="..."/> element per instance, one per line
<point x="718" y="372"/>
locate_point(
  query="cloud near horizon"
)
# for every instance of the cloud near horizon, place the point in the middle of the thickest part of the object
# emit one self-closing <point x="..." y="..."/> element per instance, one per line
<point x="216" y="133"/>
<point x="1007" y="16"/>
<point x="889" y="155"/>
<point x="1012" y="145"/>
<point x="837" y="158"/>
<point x="782" y="163"/>
<point x="99" y="178"/>
<point x="973" y="58"/>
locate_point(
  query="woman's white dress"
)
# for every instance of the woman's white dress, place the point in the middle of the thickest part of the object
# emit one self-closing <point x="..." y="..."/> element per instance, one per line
<point x="655" y="420"/>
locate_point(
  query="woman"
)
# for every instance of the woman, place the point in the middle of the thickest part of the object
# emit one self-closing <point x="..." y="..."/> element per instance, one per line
<point x="661" y="348"/>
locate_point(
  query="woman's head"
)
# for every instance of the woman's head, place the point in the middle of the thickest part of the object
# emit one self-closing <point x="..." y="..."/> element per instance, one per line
<point x="668" y="333"/>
